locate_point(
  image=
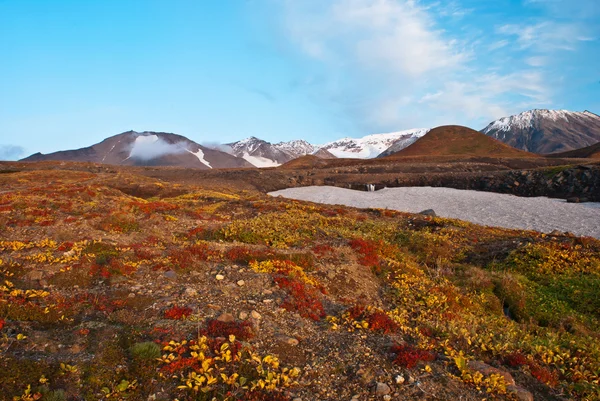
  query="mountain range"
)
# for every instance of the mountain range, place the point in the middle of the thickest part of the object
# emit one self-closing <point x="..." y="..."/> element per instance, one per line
<point x="535" y="131"/>
<point x="148" y="149"/>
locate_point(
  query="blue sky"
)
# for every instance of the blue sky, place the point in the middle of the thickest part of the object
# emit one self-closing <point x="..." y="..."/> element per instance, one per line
<point x="74" y="72"/>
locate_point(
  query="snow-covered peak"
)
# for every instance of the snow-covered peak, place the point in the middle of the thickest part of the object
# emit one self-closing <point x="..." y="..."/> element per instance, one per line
<point x="530" y="118"/>
<point x="370" y="146"/>
<point x="298" y="146"/>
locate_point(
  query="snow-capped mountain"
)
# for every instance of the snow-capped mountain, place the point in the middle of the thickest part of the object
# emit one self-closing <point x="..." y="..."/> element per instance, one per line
<point x="371" y="146"/>
<point x="148" y="149"/>
<point x="547" y="131"/>
<point x="261" y="153"/>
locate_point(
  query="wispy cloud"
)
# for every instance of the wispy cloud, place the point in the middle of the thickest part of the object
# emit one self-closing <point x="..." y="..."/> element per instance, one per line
<point x="11" y="152"/>
<point x="389" y="64"/>
<point x="545" y="36"/>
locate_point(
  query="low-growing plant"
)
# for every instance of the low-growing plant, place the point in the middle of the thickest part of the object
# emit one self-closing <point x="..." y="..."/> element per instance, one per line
<point x="408" y="356"/>
<point x="177" y="313"/>
<point x="146" y="350"/>
<point x="241" y="330"/>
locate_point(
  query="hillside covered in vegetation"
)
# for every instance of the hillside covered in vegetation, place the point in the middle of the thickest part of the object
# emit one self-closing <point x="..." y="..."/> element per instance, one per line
<point x="117" y="286"/>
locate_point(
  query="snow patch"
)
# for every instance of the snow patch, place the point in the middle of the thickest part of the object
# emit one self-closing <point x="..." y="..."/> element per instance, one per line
<point x="486" y="208"/>
<point x="260" y="162"/>
<point x="200" y="155"/>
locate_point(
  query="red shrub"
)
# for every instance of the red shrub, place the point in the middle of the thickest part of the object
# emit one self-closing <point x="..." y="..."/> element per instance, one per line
<point x="516" y="359"/>
<point x="367" y="252"/>
<point x="302" y="299"/>
<point x="65" y="246"/>
<point x="244" y="254"/>
<point x="356" y="311"/>
<point x="194" y="232"/>
<point x="322" y="250"/>
<point x="2" y="323"/>
<point x="144" y="253"/>
<point x="380" y="321"/>
<point x="543" y="374"/>
<point x="154" y="207"/>
<point x="180" y="365"/>
<point x="241" y="330"/>
<point x="408" y="356"/>
<point x="177" y="313"/>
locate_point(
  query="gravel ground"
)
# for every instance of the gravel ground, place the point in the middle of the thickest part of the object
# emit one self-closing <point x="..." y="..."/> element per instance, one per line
<point x="486" y="208"/>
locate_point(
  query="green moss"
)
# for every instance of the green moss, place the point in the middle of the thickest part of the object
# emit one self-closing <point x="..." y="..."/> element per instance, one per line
<point x="145" y="350"/>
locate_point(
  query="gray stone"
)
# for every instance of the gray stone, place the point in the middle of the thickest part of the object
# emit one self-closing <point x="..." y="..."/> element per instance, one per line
<point x="171" y="274"/>
<point x="428" y="212"/>
<point x="381" y="389"/>
<point x="519" y="393"/>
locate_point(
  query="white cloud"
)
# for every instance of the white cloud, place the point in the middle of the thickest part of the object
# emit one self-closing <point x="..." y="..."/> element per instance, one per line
<point x="388" y="63"/>
<point x="399" y="35"/>
<point x="536" y="61"/>
<point x="544" y="36"/>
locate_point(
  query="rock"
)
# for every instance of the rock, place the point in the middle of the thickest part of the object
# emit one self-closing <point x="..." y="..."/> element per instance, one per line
<point x="519" y="393"/>
<point x="171" y="274"/>
<point x="488" y="370"/>
<point x="297" y="399"/>
<point x="381" y="389"/>
<point x="288" y="340"/>
<point x="190" y="292"/>
<point x="243" y="315"/>
<point x="387" y="397"/>
<point x="573" y="200"/>
<point x="428" y="212"/>
<point x="220" y="277"/>
<point x="255" y="315"/>
<point x="226" y="318"/>
<point x="399" y="379"/>
<point x="241" y="283"/>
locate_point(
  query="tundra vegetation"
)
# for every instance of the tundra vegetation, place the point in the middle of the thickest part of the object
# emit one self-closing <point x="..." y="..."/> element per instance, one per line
<point x="118" y="286"/>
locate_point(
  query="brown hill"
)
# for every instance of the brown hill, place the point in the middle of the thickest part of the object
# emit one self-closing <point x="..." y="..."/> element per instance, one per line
<point x="324" y="154"/>
<point x="589" y="152"/>
<point x="455" y="140"/>
<point x="308" y="161"/>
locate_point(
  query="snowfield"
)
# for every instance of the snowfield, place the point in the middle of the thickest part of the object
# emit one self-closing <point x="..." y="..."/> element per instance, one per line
<point x="485" y="208"/>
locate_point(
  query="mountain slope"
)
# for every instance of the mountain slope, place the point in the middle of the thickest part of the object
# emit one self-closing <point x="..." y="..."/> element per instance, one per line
<point x="547" y="131"/>
<point x="147" y="149"/>
<point x="372" y="146"/>
<point x="589" y="152"/>
<point x="454" y="140"/>
<point x="261" y="153"/>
